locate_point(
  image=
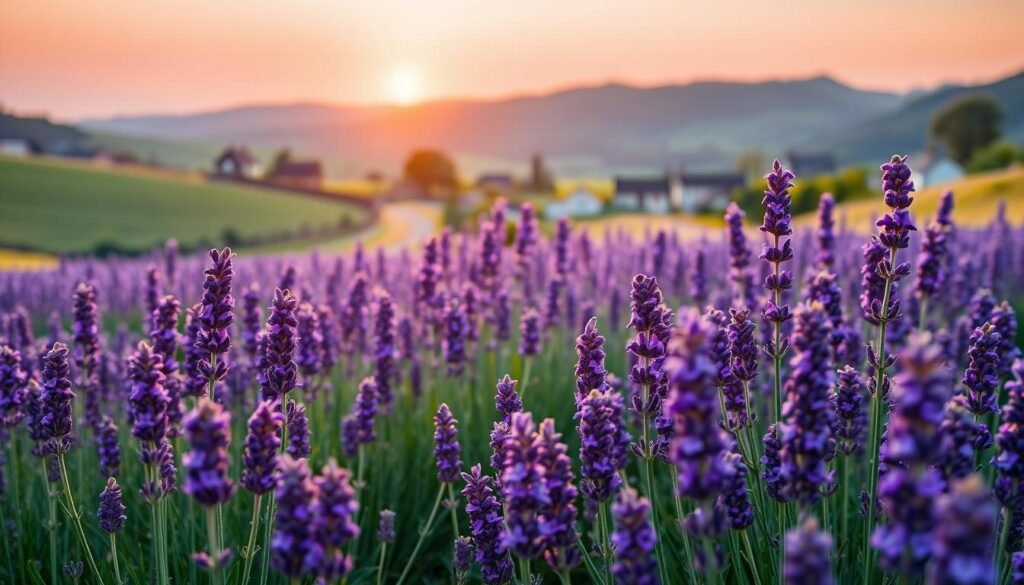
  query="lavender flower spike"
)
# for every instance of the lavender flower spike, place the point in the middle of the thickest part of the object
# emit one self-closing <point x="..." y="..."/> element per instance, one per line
<point x="333" y="525"/>
<point x="296" y="496"/>
<point x="808" y="556"/>
<point x="506" y="399"/>
<point x="298" y="431"/>
<point x="56" y="398"/>
<point x="982" y="374"/>
<point x="446" y="446"/>
<point x="1009" y="459"/>
<point x="558" y="519"/>
<point x="208" y="430"/>
<point x="522" y="486"/>
<point x="358" y="427"/>
<point x="590" y="372"/>
<point x="111" y="512"/>
<point x="216" y="316"/>
<point x="634" y="541"/>
<point x="962" y="545"/>
<point x="486" y="525"/>
<point x="604" y="443"/>
<point x="262" y="443"/>
<point x="279" y="378"/>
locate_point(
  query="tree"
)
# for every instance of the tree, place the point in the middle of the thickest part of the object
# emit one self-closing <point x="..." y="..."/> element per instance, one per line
<point x="280" y="157"/>
<point x="430" y="169"/>
<point x="967" y="126"/>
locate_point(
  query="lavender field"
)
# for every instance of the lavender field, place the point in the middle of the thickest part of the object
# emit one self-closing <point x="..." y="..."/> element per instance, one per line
<point x="766" y="405"/>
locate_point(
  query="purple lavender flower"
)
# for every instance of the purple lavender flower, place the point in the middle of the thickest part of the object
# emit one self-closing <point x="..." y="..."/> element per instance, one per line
<point x="526" y="239"/>
<point x="806" y="430"/>
<point x="501" y="318"/>
<point x="529" y="333"/>
<point x="694" y="408"/>
<point x="331" y="344"/>
<point x="486" y="526"/>
<point x="358" y="426"/>
<point x="558" y="517"/>
<point x="13" y="384"/>
<point x="652" y="321"/>
<point x="196" y="384"/>
<point x="446" y="446"/>
<point x="55" y="401"/>
<point x="959" y="436"/>
<point x="86" y="336"/>
<point x="1004" y="322"/>
<point x="735" y="497"/>
<point x="309" y="348"/>
<point x="298" y="431"/>
<point x="296" y="497"/>
<point x="699" y="280"/>
<point x="742" y="346"/>
<point x="982" y="374"/>
<point x="456" y="330"/>
<point x="739" y="257"/>
<point x="934" y="255"/>
<point x="1009" y="459"/>
<point x="148" y="399"/>
<point x="1017" y="569"/>
<point x="108" y="449"/>
<point x="962" y="546"/>
<point x="633" y="540"/>
<point x="826" y="235"/>
<point x="604" y="443"/>
<point x="353" y="317"/>
<point x="252" y="321"/>
<point x="729" y="386"/>
<point x="590" y="372"/>
<point x="261" y="446"/>
<point x="873" y="282"/>
<point x="808" y="556"/>
<point x="848" y="403"/>
<point x="897" y="187"/>
<point x="152" y="294"/>
<point x="111" y="512"/>
<point x="907" y="492"/>
<point x="333" y="525"/>
<point x="386" y="526"/>
<point x="280" y="372"/>
<point x="506" y="399"/>
<point x="208" y="431"/>
<point x="552" y="312"/>
<point x="164" y="336"/>
<point x="771" y="464"/>
<point x="776" y="202"/>
<point x="522" y="487"/>
<point x="216" y="316"/>
<point x="384" y="371"/>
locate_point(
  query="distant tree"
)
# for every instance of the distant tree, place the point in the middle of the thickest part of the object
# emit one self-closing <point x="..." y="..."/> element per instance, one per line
<point x="998" y="156"/>
<point x="967" y="126"/>
<point x="280" y="157"/>
<point x="430" y="169"/>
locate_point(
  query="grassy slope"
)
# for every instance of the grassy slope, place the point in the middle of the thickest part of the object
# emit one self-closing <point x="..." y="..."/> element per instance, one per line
<point x="976" y="197"/>
<point x="53" y="206"/>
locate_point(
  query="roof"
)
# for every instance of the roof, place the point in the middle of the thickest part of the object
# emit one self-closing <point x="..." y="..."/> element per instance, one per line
<point x="239" y="154"/>
<point x="717" y="180"/>
<point x="310" y="168"/>
<point x="641" y="185"/>
<point x="495" y="180"/>
<point x="812" y="163"/>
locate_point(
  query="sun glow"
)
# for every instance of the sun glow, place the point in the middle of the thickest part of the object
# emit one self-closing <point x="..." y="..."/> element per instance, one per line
<point x="405" y="86"/>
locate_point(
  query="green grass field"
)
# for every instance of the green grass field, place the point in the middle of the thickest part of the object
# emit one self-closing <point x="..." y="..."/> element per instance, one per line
<point x="53" y="206"/>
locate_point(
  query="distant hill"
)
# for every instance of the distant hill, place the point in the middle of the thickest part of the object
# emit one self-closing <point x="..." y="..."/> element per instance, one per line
<point x="39" y="131"/>
<point x="697" y="124"/>
<point x="905" y="128"/>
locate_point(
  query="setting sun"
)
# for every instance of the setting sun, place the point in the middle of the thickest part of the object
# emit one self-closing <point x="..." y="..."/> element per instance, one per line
<point x="405" y="86"/>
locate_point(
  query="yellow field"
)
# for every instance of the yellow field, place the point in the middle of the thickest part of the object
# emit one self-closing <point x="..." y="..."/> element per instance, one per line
<point x="21" y="261"/>
<point x="977" y="198"/>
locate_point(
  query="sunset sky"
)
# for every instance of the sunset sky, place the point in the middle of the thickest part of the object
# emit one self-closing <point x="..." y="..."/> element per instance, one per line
<point x="103" y="57"/>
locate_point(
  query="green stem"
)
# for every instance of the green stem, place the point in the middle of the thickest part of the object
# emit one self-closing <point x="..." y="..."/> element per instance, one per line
<point x="1004" y="535"/>
<point x="745" y="537"/>
<point x="876" y="422"/>
<point x="524" y="571"/>
<point x="76" y="518"/>
<point x="455" y="516"/>
<point x="687" y="548"/>
<point x="595" y="575"/>
<point x="216" y="575"/>
<point x="606" y="547"/>
<point x="52" y="527"/>
<point x="659" y="545"/>
<point x="380" y="562"/>
<point x="423" y="535"/>
<point x="113" y="554"/>
<point x="254" y="526"/>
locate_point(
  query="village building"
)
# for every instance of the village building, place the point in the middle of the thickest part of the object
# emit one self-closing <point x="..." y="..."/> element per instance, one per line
<point x="236" y="162"/>
<point x="649" y="194"/>
<point x="297" y="174"/>
<point x="582" y="202"/>
<point x="707" y="191"/>
<point x="811" y="164"/>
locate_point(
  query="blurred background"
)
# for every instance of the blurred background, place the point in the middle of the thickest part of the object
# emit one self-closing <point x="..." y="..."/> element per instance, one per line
<point x="277" y="127"/>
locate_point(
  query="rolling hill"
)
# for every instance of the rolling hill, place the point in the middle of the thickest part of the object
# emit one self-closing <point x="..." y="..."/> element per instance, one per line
<point x="614" y="125"/>
<point x="59" y="207"/>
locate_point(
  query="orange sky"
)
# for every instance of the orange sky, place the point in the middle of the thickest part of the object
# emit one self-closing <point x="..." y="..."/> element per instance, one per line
<point x="76" y="58"/>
